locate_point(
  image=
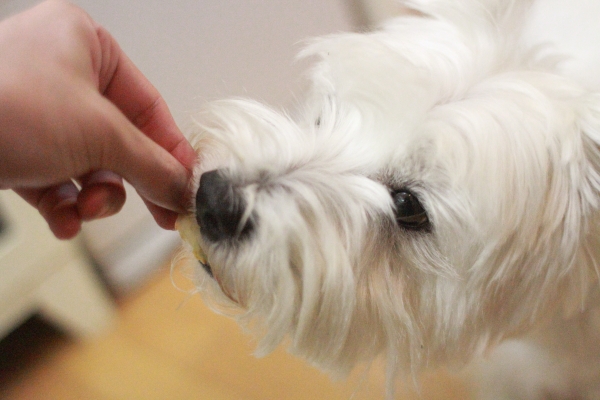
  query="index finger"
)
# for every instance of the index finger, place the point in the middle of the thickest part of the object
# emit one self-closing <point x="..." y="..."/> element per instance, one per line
<point x="126" y="87"/>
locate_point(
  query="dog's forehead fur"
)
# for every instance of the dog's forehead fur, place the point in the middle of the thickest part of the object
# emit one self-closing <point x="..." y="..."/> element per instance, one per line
<point x="500" y="150"/>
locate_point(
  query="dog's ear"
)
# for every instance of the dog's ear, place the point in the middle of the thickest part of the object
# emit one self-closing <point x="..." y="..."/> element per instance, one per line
<point x="580" y="190"/>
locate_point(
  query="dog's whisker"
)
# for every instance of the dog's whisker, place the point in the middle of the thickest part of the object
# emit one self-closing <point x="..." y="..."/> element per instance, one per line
<point x="250" y="199"/>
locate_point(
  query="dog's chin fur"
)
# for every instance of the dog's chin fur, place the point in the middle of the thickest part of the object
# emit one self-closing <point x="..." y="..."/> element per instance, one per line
<point x="499" y="146"/>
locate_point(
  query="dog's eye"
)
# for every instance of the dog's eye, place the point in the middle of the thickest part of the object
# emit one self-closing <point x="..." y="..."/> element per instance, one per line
<point x="410" y="214"/>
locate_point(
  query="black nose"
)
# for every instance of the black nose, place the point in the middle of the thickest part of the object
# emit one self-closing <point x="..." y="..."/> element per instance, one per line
<point x="220" y="208"/>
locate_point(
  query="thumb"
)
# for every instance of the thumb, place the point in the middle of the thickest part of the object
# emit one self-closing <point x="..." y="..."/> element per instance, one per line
<point x="154" y="172"/>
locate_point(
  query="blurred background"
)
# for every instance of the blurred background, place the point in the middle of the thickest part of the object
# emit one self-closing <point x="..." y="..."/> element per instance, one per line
<point x="99" y="317"/>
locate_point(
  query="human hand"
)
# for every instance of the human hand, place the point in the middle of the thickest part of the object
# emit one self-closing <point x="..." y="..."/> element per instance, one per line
<point x="74" y="107"/>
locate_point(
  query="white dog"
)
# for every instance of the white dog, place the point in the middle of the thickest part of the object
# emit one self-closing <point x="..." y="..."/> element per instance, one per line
<point x="434" y="201"/>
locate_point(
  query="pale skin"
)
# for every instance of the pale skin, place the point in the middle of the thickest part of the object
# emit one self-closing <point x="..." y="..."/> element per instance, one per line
<point x="73" y="107"/>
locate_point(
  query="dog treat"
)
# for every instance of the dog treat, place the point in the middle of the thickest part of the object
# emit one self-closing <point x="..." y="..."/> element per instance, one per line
<point x="189" y="231"/>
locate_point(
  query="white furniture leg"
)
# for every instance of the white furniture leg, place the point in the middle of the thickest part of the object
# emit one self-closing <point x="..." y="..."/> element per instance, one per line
<point x="41" y="274"/>
<point x="74" y="300"/>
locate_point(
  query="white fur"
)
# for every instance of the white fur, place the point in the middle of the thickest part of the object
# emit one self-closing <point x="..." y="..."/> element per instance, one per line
<point x="497" y="139"/>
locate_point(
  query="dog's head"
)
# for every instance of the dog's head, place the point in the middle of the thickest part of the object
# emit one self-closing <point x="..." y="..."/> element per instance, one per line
<point x="435" y="194"/>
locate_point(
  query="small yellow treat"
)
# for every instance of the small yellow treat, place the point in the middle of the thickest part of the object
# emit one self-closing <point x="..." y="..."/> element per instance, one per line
<point x="189" y="231"/>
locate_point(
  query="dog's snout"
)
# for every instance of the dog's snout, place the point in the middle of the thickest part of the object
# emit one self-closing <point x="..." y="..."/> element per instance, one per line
<point x="220" y="208"/>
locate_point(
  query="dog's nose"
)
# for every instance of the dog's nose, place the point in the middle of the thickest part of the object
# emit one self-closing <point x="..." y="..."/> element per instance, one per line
<point x="220" y="208"/>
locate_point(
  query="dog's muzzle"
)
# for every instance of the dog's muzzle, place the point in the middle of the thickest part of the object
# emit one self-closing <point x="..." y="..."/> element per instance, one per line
<point x="220" y="209"/>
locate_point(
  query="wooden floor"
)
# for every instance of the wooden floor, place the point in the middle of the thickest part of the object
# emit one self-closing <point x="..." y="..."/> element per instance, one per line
<point x="168" y="345"/>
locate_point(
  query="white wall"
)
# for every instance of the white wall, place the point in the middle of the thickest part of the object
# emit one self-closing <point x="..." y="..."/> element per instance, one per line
<point x="194" y="51"/>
